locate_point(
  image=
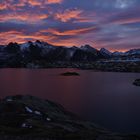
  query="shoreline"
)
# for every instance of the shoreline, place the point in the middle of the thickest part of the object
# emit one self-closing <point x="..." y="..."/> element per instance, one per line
<point x="97" y="66"/>
<point x="60" y="123"/>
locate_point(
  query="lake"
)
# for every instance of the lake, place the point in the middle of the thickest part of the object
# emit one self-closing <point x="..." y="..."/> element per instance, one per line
<point x="107" y="98"/>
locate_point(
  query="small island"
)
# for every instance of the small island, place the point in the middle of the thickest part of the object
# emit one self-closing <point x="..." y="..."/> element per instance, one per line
<point x="70" y="74"/>
<point x="136" y="82"/>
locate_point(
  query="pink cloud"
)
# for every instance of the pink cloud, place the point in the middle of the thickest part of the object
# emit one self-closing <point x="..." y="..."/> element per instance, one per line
<point x="23" y="17"/>
<point x="68" y="15"/>
<point x="54" y="1"/>
<point x="20" y="37"/>
<point x="69" y="32"/>
<point x="10" y="4"/>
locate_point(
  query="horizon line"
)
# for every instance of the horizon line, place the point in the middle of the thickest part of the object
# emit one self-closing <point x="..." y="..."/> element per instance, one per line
<point x="53" y="44"/>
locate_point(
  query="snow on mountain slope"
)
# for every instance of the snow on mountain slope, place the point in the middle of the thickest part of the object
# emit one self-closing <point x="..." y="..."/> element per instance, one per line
<point x="71" y="51"/>
<point x="117" y="53"/>
<point x="132" y="52"/>
<point x="104" y="51"/>
<point x="88" y="48"/>
<point x="24" y="46"/>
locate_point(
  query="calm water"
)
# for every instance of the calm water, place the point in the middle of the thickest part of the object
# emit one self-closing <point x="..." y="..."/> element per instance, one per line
<point x="106" y="98"/>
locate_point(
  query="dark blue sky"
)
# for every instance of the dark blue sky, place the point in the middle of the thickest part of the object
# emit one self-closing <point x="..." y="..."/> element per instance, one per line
<point x="113" y="24"/>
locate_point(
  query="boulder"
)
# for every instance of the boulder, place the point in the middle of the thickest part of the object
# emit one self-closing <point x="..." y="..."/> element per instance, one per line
<point x="136" y="82"/>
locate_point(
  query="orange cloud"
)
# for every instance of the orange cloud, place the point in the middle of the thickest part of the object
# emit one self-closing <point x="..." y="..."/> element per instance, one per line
<point x="127" y="21"/>
<point x="69" y="32"/>
<point x="54" y="1"/>
<point x="34" y="2"/>
<point x="10" y="4"/>
<point x="20" y="37"/>
<point x="3" y="6"/>
<point x="68" y="15"/>
<point x="82" y="20"/>
<point x="24" y="17"/>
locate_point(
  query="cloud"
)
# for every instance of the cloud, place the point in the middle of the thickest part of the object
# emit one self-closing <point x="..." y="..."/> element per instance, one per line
<point x="70" y="32"/>
<point x="2" y="6"/>
<point x="68" y="14"/>
<point x="19" y="4"/>
<point x="122" y="4"/>
<point x="54" y="1"/>
<point x="23" y="17"/>
<point x="21" y="37"/>
<point x="125" y="17"/>
<point x="100" y="23"/>
<point x="34" y="2"/>
<point x="43" y="2"/>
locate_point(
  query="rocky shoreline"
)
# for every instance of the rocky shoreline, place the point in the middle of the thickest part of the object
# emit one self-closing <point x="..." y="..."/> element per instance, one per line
<point x="136" y="82"/>
<point x="31" y="118"/>
<point x="108" y="66"/>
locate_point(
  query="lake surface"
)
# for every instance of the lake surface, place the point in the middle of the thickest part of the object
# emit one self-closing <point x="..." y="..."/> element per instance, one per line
<point x="106" y="98"/>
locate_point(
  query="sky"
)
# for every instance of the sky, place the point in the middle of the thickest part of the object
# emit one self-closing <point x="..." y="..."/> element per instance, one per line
<point x="110" y="24"/>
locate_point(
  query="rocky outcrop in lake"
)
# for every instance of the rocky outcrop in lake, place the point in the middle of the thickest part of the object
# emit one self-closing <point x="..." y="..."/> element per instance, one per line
<point x="31" y="118"/>
<point x="136" y="82"/>
<point x="70" y="74"/>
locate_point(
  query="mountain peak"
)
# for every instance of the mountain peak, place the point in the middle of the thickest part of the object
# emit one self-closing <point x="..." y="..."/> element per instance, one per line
<point x="105" y="51"/>
<point x="38" y="41"/>
<point x="87" y="48"/>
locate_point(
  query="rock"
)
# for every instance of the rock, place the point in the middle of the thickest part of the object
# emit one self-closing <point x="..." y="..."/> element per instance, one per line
<point x="136" y="82"/>
<point x="70" y="74"/>
<point x="31" y="118"/>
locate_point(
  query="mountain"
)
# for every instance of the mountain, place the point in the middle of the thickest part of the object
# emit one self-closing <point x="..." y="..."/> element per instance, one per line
<point x="116" y="53"/>
<point x="44" y="50"/>
<point x="31" y="118"/>
<point x="88" y="48"/>
<point x="127" y="53"/>
<point x="133" y="52"/>
<point x="20" y="55"/>
<point x="106" y="53"/>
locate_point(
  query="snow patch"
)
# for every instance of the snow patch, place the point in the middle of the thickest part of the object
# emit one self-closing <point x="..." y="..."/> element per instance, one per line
<point x="24" y="46"/>
<point x="117" y="53"/>
<point x="24" y="125"/>
<point x="9" y="100"/>
<point x="88" y="48"/>
<point x="48" y="119"/>
<point x="37" y="112"/>
<point x="28" y="109"/>
<point x="105" y="51"/>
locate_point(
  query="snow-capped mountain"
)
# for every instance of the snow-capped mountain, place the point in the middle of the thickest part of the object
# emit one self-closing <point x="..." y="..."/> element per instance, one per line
<point x="105" y="52"/>
<point x="40" y="50"/>
<point x="133" y="52"/>
<point x="116" y="53"/>
<point x="88" y="48"/>
<point x="42" y="45"/>
<point x="71" y="51"/>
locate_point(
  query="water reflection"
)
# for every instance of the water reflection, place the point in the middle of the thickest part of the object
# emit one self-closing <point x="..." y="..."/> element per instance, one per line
<point x="109" y="99"/>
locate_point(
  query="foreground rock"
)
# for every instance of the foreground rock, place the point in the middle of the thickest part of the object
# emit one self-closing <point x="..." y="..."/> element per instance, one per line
<point x="136" y="82"/>
<point x="30" y="118"/>
<point x="70" y="74"/>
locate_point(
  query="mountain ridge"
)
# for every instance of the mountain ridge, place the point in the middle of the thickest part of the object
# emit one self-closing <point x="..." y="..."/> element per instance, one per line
<point x="85" y="47"/>
<point x="44" y="55"/>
